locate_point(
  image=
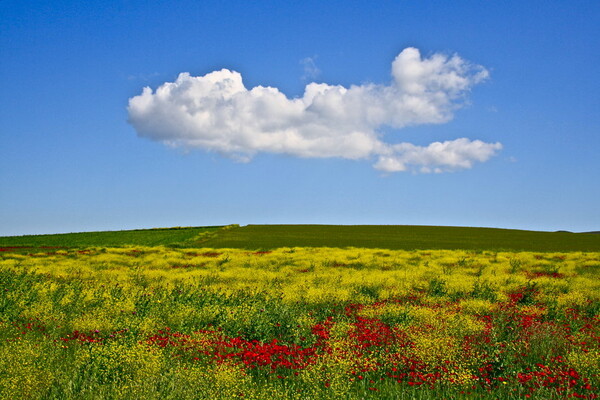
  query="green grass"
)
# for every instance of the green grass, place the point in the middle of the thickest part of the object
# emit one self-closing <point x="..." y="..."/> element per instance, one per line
<point x="256" y="237"/>
<point x="187" y="236"/>
<point x="402" y="237"/>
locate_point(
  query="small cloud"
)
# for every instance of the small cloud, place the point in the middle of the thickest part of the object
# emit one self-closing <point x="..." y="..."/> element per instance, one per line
<point x="216" y="112"/>
<point x="492" y="109"/>
<point x="451" y="155"/>
<point x="311" y="71"/>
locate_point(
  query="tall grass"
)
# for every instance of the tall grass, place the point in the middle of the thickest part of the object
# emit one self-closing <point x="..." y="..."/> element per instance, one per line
<point x="298" y="323"/>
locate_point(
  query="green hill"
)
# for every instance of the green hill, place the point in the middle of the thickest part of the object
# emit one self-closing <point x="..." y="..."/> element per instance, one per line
<point x="143" y="237"/>
<point x="264" y="237"/>
<point x="402" y="237"/>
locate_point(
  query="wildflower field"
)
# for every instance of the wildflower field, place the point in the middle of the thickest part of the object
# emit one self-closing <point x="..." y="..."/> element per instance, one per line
<point x="146" y="322"/>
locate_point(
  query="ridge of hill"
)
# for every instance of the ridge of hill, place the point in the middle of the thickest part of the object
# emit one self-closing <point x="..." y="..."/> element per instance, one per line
<point x="177" y="236"/>
<point x="402" y="237"/>
<point x="264" y="237"/>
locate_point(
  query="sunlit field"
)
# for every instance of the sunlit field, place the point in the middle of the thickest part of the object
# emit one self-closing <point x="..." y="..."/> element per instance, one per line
<point x="298" y="323"/>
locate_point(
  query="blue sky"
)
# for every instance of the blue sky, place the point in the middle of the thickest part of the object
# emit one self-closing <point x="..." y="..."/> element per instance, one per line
<point x="75" y="155"/>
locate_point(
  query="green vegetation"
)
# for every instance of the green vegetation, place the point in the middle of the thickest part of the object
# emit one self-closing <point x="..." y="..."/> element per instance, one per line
<point x="298" y="323"/>
<point x="402" y="237"/>
<point x="180" y="236"/>
<point x="257" y="237"/>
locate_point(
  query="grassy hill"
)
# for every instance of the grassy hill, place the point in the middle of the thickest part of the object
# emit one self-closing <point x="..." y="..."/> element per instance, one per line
<point x="143" y="237"/>
<point x="395" y="237"/>
<point x="402" y="237"/>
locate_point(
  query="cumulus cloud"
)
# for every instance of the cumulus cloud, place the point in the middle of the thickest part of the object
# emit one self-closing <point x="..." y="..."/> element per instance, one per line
<point x="437" y="157"/>
<point x="216" y="112"/>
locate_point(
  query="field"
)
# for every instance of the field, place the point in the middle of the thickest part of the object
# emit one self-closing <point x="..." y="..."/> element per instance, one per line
<point x="265" y="237"/>
<point x="402" y="237"/>
<point x="145" y="237"/>
<point x="182" y="318"/>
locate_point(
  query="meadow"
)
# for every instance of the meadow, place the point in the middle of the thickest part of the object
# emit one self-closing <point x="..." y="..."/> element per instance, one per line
<point x="265" y="237"/>
<point x="173" y="237"/>
<point x="172" y="322"/>
<point x="401" y="237"/>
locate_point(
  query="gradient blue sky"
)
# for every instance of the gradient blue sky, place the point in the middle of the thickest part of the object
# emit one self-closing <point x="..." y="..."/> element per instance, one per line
<point x="70" y="161"/>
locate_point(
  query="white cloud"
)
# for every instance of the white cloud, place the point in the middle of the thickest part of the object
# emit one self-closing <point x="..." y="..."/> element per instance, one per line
<point x="216" y="112"/>
<point x="311" y="71"/>
<point x="437" y="157"/>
